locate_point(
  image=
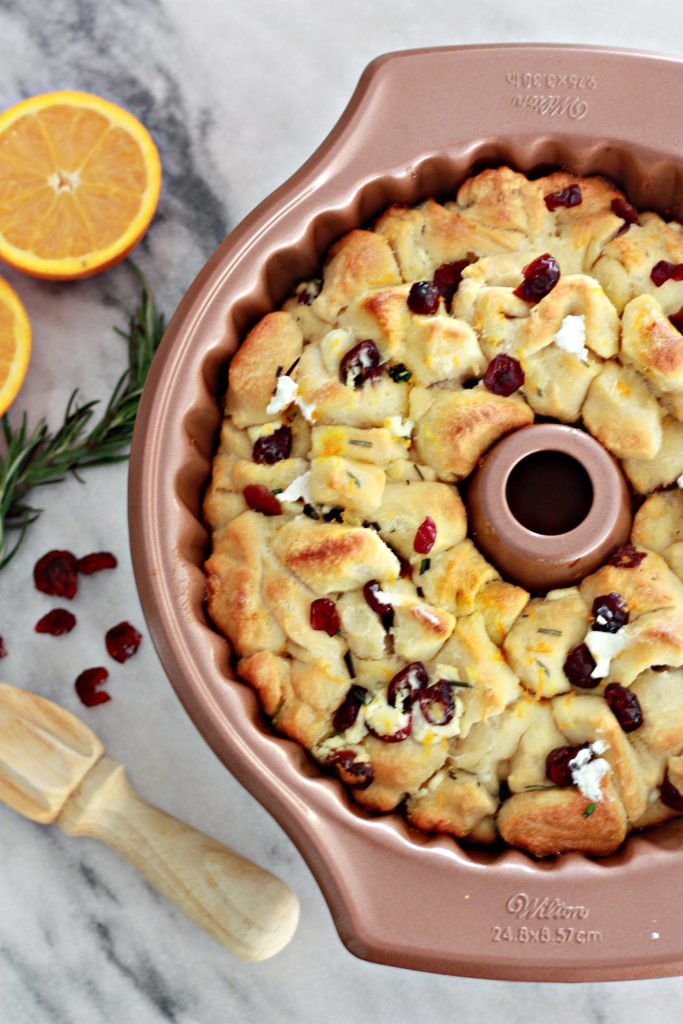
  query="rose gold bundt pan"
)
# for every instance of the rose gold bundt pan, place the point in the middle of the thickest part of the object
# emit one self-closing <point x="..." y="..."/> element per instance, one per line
<point x="417" y="125"/>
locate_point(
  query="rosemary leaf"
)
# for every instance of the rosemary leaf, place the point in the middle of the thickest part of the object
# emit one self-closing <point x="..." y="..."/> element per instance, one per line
<point x="35" y="456"/>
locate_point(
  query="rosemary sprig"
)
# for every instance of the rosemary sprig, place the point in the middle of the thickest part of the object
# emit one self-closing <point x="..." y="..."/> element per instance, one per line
<point x="36" y="456"/>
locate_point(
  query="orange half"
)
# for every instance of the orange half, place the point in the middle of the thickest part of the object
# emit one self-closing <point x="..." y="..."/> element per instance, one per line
<point x="79" y="184"/>
<point x="15" y="345"/>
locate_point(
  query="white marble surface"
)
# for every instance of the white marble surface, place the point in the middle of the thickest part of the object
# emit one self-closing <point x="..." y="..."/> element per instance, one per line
<point x="237" y="94"/>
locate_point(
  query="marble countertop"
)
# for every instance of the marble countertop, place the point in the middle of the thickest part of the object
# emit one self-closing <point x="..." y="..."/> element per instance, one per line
<point x="237" y="94"/>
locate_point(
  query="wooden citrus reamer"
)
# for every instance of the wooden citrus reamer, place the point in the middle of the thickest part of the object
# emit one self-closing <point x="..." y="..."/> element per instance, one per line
<point x="53" y="770"/>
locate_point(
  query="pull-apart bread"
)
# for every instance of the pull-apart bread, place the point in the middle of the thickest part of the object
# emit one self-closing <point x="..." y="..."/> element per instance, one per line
<point x="373" y="630"/>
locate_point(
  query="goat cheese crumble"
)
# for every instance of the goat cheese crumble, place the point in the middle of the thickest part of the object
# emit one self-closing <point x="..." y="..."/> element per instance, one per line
<point x="299" y="488"/>
<point x="604" y="647"/>
<point x="588" y="771"/>
<point x="571" y="336"/>
<point x="286" y="392"/>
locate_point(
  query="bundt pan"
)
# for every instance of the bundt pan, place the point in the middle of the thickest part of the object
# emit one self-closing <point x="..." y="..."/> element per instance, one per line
<point x="419" y="122"/>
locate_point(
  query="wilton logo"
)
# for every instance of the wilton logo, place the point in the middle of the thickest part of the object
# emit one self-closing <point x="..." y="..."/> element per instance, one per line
<point x="543" y="908"/>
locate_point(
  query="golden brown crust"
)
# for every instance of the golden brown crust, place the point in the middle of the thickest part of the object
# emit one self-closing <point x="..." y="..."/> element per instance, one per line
<point x="552" y="821"/>
<point x="461" y="425"/>
<point x="359" y="261"/>
<point x="275" y="342"/>
<point x="368" y="460"/>
<point x="333" y="558"/>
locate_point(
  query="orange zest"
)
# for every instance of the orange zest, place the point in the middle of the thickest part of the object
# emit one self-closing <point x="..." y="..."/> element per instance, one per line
<point x="15" y="345"/>
<point x="79" y="184"/>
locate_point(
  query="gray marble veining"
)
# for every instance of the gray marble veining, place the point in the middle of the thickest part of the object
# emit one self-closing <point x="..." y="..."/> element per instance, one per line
<point x="237" y="95"/>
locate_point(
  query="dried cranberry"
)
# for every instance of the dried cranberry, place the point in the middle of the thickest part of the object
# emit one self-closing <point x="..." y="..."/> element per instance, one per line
<point x="371" y="592"/>
<point x="56" y="623"/>
<point x="437" y="703"/>
<point x="425" y="536"/>
<point x="402" y="733"/>
<point x="625" y="706"/>
<point x="360" y="363"/>
<point x="406" y="684"/>
<point x="578" y="667"/>
<point x="346" y="714"/>
<point x="540" y="277"/>
<point x="122" y="641"/>
<point x="56" y="574"/>
<point x="626" y="557"/>
<point x="96" y="562"/>
<point x="86" y="687"/>
<point x="273" y="448"/>
<point x="609" y="613"/>
<point x="625" y="210"/>
<point x="669" y="795"/>
<point x="359" y="774"/>
<point x="665" y="271"/>
<point x="677" y="319"/>
<point x="307" y="293"/>
<point x="503" y="375"/>
<point x="447" y="279"/>
<point x="424" y="298"/>
<point x="570" y="196"/>
<point x="261" y="499"/>
<point x="557" y="764"/>
<point x="3" y="649"/>
<point x="406" y="570"/>
<point x="324" y="616"/>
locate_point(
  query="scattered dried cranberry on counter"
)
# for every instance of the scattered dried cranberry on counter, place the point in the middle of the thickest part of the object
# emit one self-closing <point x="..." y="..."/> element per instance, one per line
<point x="578" y="667"/>
<point x="447" y="279"/>
<point x="57" y="622"/>
<point x="56" y="574"/>
<point x="96" y="562"/>
<point x="625" y="706"/>
<point x="324" y="616"/>
<point x="504" y="375"/>
<point x="361" y="363"/>
<point x="625" y="210"/>
<point x="346" y="714"/>
<point x="87" y="687"/>
<point x="260" y="499"/>
<point x="540" y="277"/>
<point x="557" y="764"/>
<point x="3" y="649"/>
<point x="609" y="613"/>
<point x="122" y="641"/>
<point x="570" y="196"/>
<point x="626" y="557"/>
<point x="425" y="536"/>
<point x="274" y="447"/>
<point x="359" y="774"/>
<point x="424" y="298"/>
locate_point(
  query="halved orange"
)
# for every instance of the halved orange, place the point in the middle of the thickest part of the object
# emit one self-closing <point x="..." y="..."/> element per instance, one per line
<point x="79" y="184"/>
<point x="15" y="344"/>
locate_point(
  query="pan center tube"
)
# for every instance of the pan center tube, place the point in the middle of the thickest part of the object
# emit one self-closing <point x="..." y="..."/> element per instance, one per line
<point x="548" y="505"/>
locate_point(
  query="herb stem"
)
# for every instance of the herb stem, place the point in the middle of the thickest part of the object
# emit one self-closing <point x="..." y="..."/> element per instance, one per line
<point x="37" y="457"/>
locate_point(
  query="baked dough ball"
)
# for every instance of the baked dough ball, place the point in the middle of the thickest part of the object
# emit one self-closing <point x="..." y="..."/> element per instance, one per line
<point x="621" y="412"/>
<point x="275" y="342"/>
<point x="540" y="640"/>
<point x="342" y="571"/>
<point x="333" y="558"/>
<point x="461" y="425"/>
